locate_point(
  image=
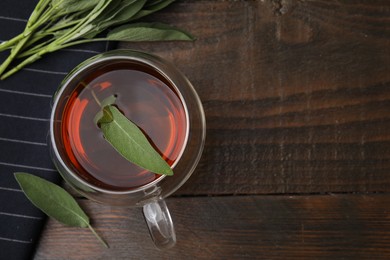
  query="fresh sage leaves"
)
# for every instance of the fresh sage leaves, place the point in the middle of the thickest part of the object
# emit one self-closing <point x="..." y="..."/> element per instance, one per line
<point x="58" y="24"/>
<point x="54" y="201"/>
<point x="148" y="32"/>
<point x="130" y="142"/>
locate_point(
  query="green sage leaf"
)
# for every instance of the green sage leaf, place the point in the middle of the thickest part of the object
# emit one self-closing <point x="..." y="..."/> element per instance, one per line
<point x="116" y="14"/>
<point x="156" y="2"/>
<point x="148" y="32"/>
<point x="72" y="6"/>
<point x="106" y="102"/>
<point x="128" y="10"/>
<point x="152" y="6"/>
<point x="54" y="201"/>
<point x="130" y="142"/>
<point x="110" y="100"/>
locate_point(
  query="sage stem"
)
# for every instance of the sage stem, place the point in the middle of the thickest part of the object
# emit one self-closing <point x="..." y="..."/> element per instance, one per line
<point x="27" y="61"/>
<point x="35" y="21"/>
<point x="8" y="44"/>
<point x="14" y="52"/>
<point x="35" y="49"/>
<point x="98" y="237"/>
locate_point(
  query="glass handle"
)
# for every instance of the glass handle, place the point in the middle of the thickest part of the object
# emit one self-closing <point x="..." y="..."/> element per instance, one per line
<point x="160" y="224"/>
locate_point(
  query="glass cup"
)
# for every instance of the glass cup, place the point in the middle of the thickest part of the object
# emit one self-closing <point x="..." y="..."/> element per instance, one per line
<point x="150" y="196"/>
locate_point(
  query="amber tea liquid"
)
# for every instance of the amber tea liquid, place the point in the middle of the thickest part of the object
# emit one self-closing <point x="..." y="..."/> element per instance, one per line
<point x="145" y="97"/>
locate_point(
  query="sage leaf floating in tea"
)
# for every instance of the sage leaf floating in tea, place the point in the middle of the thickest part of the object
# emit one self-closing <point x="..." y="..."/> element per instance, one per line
<point x="130" y="142"/>
<point x="107" y="101"/>
<point x="54" y="201"/>
<point x="58" y="24"/>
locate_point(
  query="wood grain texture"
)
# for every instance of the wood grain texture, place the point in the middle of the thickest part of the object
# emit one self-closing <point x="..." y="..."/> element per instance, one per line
<point x="296" y="93"/>
<point x="242" y="227"/>
<point x="297" y="100"/>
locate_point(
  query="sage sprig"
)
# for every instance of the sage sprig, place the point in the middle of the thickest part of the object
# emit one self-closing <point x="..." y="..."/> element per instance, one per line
<point x="54" y="201"/>
<point x="58" y="24"/>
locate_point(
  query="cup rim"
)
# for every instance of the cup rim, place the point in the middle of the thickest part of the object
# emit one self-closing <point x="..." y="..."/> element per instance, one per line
<point x="101" y="59"/>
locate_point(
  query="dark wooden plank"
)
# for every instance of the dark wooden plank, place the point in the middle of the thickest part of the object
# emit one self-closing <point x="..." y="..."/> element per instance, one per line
<point x="296" y="93"/>
<point x="241" y="227"/>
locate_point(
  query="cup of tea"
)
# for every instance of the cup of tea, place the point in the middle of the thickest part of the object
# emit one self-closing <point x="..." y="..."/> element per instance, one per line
<point x="160" y="100"/>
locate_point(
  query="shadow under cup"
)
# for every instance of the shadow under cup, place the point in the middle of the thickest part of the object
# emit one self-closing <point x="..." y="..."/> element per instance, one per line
<point x="184" y="153"/>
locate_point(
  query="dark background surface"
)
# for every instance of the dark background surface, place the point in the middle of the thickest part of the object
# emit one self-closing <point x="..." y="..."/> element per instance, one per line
<point x="25" y="105"/>
<point x="296" y="163"/>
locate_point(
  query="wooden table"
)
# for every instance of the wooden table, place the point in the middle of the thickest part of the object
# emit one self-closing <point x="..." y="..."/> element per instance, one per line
<point x="297" y="157"/>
